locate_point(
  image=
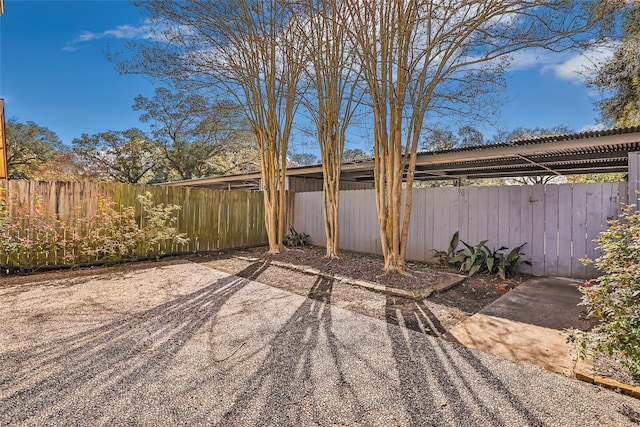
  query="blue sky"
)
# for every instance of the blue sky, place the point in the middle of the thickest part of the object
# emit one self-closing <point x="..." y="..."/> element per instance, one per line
<point x="53" y="71"/>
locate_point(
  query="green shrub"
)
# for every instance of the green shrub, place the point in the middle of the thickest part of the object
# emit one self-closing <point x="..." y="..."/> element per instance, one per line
<point x="159" y="230"/>
<point x="33" y="236"/>
<point x="476" y="260"/>
<point x="614" y="297"/>
<point x="111" y="234"/>
<point x="296" y="239"/>
<point x="505" y="264"/>
<point x="480" y="258"/>
<point x="452" y="255"/>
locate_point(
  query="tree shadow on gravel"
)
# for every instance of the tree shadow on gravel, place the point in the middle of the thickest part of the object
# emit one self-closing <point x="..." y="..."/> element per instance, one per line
<point x="113" y="360"/>
<point x="284" y="381"/>
<point x="436" y="389"/>
<point x="414" y="315"/>
<point x="630" y="413"/>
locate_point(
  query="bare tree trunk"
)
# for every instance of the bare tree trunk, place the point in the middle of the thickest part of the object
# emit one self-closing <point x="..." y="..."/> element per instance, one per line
<point x="271" y="205"/>
<point x="334" y="79"/>
<point x="331" y="203"/>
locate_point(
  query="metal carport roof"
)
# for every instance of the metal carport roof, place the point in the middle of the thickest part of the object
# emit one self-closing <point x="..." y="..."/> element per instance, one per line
<point x="600" y="151"/>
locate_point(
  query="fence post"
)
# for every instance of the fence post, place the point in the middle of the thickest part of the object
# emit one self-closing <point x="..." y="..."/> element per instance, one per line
<point x="634" y="178"/>
<point x="290" y="209"/>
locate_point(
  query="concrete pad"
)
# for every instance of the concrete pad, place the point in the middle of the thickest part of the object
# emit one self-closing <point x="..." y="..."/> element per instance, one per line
<point x="526" y="324"/>
<point x="546" y="302"/>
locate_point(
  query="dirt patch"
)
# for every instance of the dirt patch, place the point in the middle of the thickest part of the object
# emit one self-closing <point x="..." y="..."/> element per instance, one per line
<point x="609" y="367"/>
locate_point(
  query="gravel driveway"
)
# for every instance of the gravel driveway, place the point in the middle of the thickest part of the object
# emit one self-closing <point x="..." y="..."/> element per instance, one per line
<point x="185" y="344"/>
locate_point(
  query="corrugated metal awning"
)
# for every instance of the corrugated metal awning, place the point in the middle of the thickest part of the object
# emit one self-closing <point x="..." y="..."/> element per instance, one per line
<point x="602" y="151"/>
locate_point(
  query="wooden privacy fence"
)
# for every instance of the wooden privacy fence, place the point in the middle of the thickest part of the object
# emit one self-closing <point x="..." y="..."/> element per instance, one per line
<point x="210" y="219"/>
<point x="559" y="223"/>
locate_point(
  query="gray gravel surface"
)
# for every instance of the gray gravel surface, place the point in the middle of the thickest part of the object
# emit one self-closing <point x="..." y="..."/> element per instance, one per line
<point x="188" y="345"/>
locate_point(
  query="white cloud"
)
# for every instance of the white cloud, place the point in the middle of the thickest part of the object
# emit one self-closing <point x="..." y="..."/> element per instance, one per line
<point x="529" y="58"/>
<point x="575" y="67"/>
<point x="564" y="66"/>
<point x="128" y="32"/>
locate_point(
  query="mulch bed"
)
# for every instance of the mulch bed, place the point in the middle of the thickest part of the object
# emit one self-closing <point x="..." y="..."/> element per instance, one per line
<point x="470" y="296"/>
<point x="608" y="367"/>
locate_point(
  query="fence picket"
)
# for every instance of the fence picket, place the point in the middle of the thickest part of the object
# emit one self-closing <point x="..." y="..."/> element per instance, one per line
<point x="208" y="218"/>
<point x="472" y="195"/>
<point x="463" y="213"/>
<point x="483" y="214"/>
<point x="537" y="243"/>
<point x="515" y="214"/>
<point x="526" y="224"/>
<point x="363" y="207"/>
<point x="493" y="217"/>
<point x="566" y="211"/>
<point x="503" y="218"/>
<point x="595" y="204"/>
<point x="551" y="214"/>
<point x="427" y="224"/>
<point x="439" y="237"/>
<point x="579" y="230"/>
<point x="416" y="226"/>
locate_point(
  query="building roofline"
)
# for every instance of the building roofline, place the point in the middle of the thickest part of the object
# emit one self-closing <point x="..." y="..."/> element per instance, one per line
<point x="581" y="147"/>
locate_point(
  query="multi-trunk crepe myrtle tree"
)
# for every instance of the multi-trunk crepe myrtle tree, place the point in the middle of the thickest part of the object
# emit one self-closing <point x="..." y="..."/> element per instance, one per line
<point x="333" y="77"/>
<point x="246" y="49"/>
<point x="413" y="58"/>
<point x="418" y="57"/>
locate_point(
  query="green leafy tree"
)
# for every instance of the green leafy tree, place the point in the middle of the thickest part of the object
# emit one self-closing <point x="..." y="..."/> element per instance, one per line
<point x="303" y="159"/>
<point x="125" y="156"/>
<point x="246" y="50"/>
<point x="29" y="147"/>
<point x="470" y="136"/>
<point x="198" y="138"/>
<point x="437" y="138"/>
<point x="66" y="165"/>
<point x="620" y="76"/>
<point x="354" y="155"/>
<point x="591" y="178"/>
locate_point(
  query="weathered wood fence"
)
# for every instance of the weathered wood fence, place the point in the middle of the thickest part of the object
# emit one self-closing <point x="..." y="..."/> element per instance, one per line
<point x="558" y="222"/>
<point x="210" y="219"/>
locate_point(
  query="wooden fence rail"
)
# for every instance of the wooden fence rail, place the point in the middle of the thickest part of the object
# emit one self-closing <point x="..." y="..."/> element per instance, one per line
<point x="211" y="220"/>
<point x="558" y="223"/>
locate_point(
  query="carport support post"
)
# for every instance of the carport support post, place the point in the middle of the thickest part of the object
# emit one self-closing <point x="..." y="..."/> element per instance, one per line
<point x="634" y="178"/>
